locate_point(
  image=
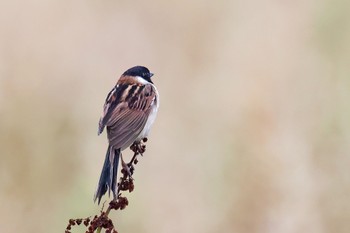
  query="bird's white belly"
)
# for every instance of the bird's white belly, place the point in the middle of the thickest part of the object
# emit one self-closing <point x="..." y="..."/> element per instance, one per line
<point x="149" y="123"/>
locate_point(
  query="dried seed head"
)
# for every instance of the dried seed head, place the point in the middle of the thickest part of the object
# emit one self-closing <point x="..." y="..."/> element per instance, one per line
<point x="131" y="186"/>
<point x="86" y="222"/>
<point x="79" y="221"/>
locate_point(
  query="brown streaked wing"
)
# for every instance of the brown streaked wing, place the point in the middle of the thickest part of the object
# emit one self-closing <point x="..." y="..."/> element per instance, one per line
<point x="126" y="129"/>
<point x="113" y="99"/>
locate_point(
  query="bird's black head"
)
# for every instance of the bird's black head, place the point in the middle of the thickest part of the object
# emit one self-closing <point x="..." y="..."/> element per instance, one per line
<point x="140" y="71"/>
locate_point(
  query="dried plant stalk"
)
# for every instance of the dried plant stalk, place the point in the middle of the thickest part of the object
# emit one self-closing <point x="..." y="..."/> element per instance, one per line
<point x="126" y="183"/>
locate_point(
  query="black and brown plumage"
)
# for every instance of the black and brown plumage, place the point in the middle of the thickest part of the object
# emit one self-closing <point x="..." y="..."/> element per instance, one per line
<point x="128" y="114"/>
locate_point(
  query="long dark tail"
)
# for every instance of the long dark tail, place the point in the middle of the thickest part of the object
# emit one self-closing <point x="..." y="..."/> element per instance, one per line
<point x="108" y="178"/>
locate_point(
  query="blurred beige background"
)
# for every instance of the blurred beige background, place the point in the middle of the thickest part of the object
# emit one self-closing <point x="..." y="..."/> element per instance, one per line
<point x="253" y="132"/>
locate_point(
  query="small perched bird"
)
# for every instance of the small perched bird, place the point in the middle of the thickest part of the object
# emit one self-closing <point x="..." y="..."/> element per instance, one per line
<point x="128" y="114"/>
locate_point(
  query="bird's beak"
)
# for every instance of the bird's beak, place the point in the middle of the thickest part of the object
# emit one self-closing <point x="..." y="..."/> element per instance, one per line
<point x="151" y="74"/>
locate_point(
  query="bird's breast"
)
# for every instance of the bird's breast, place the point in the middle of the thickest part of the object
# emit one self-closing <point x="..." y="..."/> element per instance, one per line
<point x="151" y="118"/>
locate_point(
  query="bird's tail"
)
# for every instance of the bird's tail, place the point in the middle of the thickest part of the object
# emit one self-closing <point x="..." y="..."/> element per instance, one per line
<point x="108" y="178"/>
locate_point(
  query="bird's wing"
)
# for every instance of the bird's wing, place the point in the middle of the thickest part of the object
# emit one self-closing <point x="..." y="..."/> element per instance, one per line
<point x="126" y="112"/>
<point x="112" y="100"/>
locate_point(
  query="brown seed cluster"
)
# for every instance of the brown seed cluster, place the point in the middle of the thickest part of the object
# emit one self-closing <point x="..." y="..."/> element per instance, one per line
<point x="126" y="185"/>
<point x="78" y="221"/>
<point x="120" y="203"/>
<point x="101" y="221"/>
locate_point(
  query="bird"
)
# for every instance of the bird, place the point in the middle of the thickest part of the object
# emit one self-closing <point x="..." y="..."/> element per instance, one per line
<point x="129" y="111"/>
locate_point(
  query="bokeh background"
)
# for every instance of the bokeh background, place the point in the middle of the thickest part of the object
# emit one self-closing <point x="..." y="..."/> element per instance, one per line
<point x="253" y="132"/>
